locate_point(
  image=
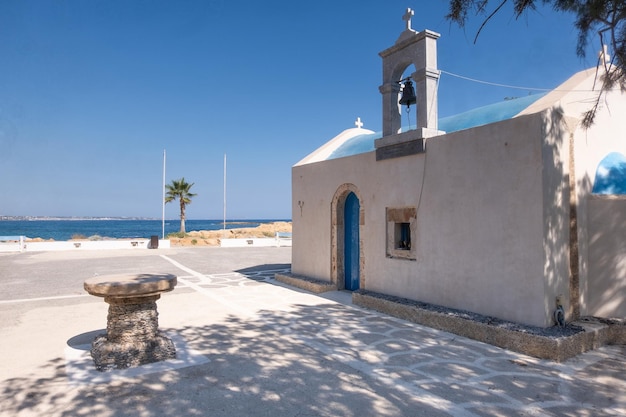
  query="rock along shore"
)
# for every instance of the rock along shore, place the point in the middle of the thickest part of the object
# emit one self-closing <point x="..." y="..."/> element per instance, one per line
<point x="212" y="237"/>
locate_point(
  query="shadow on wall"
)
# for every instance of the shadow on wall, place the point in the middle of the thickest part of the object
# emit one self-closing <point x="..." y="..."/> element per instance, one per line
<point x="604" y="292"/>
<point x="556" y="208"/>
<point x="607" y="258"/>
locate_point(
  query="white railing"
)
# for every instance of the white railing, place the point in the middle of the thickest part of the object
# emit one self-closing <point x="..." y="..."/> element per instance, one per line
<point x="19" y="244"/>
<point x="11" y="243"/>
<point x="283" y="239"/>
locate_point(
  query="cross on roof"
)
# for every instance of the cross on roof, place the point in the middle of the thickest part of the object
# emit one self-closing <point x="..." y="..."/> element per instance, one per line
<point x="604" y="56"/>
<point x="407" y="18"/>
<point x="358" y="123"/>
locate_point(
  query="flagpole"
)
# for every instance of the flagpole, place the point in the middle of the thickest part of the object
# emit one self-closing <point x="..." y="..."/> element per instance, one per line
<point x="163" y="200"/>
<point x="224" y="234"/>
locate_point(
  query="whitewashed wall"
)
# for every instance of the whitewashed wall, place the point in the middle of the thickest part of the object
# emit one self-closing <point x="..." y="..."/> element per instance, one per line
<point x="608" y="134"/>
<point x="605" y="296"/>
<point x="488" y="207"/>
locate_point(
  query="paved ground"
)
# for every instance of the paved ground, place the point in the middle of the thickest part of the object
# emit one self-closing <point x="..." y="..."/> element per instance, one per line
<point x="250" y="346"/>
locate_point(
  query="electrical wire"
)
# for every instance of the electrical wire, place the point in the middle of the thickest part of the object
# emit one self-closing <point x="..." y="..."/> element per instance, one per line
<point x="505" y="85"/>
<point x="492" y="83"/>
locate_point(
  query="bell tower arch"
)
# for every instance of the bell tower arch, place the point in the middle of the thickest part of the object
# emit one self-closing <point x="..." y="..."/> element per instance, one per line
<point x="419" y="49"/>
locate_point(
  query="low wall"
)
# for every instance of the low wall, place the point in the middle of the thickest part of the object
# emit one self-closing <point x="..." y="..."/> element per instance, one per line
<point x="256" y="242"/>
<point x="11" y="243"/>
<point x="596" y="333"/>
<point x="82" y="245"/>
<point x="308" y="284"/>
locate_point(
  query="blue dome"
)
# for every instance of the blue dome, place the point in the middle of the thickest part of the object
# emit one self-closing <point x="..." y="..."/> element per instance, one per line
<point x="611" y="175"/>
<point x="487" y="114"/>
<point x="356" y="145"/>
<point x="472" y="118"/>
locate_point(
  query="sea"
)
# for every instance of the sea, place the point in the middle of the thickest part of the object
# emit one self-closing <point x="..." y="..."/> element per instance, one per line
<point x="65" y="229"/>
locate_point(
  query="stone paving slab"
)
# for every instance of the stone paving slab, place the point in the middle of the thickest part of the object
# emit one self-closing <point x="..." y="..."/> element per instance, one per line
<point x="271" y="349"/>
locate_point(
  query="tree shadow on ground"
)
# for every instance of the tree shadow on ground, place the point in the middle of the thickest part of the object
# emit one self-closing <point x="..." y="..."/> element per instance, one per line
<point x="310" y="360"/>
<point x="253" y="369"/>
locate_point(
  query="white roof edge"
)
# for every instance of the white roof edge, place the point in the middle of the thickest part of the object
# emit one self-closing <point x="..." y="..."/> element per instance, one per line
<point x="323" y="152"/>
<point x="581" y="83"/>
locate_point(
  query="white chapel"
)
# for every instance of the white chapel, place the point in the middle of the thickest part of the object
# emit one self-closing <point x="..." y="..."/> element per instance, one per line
<point x="512" y="210"/>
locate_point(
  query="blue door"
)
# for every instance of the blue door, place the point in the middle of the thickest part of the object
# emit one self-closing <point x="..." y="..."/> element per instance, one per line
<point x="351" y="243"/>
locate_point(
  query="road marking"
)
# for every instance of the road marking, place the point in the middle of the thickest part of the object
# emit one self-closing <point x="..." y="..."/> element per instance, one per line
<point x="184" y="268"/>
<point x="205" y="291"/>
<point x="57" y="297"/>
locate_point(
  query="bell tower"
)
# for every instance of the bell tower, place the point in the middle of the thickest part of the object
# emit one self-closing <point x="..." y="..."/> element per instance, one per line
<point x="420" y="50"/>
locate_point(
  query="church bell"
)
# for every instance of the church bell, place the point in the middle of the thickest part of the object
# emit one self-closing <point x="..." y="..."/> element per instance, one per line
<point x="408" y="94"/>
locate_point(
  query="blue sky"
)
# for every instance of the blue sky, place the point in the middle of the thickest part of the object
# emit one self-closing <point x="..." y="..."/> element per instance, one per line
<point x="93" y="91"/>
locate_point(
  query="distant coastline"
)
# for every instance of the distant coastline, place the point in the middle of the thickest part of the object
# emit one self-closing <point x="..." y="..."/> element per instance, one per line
<point x="102" y="228"/>
<point x="44" y="218"/>
<point x="95" y="218"/>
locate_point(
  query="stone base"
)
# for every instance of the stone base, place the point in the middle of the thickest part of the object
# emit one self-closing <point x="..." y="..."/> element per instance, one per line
<point x="308" y="284"/>
<point x="594" y="332"/>
<point x="109" y="355"/>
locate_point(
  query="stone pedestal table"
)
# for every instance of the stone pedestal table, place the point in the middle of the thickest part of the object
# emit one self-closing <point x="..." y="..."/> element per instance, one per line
<point x="132" y="336"/>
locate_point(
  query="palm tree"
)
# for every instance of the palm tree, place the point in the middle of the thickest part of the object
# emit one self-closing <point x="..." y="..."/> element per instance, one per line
<point x="179" y="189"/>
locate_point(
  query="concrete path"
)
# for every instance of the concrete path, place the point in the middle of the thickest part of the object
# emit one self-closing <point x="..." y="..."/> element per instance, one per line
<point x="250" y="346"/>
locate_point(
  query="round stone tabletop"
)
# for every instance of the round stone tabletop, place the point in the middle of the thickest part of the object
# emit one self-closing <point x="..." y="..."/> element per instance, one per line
<point x="130" y="285"/>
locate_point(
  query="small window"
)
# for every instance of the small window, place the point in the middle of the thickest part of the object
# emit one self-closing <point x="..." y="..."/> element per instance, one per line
<point x="401" y="228"/>
<point x="403" y="236"/>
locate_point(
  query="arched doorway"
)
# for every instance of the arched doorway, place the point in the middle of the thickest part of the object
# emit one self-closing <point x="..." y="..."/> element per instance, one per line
<point x="352" y="260"/>
<point x="347" y="269"/>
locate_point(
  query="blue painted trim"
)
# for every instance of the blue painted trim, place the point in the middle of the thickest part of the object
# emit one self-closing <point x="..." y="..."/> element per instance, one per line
<point x="611" y="175"/>
<point x="351" y="242"/>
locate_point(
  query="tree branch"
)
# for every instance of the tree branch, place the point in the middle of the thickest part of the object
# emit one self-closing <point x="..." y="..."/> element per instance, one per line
<point x="488" y="18"/>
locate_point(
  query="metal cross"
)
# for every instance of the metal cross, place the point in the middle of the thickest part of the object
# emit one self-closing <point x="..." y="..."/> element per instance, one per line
<point x="358" y="123"/>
